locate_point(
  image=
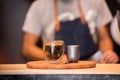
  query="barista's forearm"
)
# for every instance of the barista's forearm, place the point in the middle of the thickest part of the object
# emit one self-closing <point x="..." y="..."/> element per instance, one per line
<point x="105" y="42"/>
<point x="105" y="45"/>
<point x="34" y="53"/>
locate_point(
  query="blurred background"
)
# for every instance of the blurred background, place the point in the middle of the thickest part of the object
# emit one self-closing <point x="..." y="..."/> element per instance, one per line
<point x="12" y="15"/>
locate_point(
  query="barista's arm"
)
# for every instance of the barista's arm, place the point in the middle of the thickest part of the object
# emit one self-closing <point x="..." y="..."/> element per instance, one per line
<point x="106" y="46"/>
<point x="30" y="49"/>
<point x="105" y="42"/>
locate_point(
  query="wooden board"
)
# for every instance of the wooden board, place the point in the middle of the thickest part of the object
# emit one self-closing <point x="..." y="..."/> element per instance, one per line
<point x="43" y="65"/>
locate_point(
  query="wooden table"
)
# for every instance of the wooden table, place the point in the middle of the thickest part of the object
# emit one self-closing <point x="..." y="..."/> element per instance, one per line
<point x="22" y="69"/>
<point x="104" y="71"/>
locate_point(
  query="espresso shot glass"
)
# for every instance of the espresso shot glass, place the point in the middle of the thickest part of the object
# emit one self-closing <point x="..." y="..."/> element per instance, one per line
<point x="53" y="51"/>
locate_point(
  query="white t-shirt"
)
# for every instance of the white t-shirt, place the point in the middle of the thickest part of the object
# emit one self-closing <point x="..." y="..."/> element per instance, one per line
<point x="40" y="17"/>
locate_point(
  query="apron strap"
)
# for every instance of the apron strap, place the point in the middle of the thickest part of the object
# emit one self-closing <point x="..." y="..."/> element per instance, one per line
<point x="81" y="12"/>
<point x="56" y="20"/>
<point x="57" y="23"/>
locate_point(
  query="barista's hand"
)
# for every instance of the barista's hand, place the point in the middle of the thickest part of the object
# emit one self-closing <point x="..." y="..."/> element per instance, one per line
<point x="109" y="57"/>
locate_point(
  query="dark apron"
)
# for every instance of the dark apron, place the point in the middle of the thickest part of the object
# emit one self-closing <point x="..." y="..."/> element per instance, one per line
<point x="76" y="33"/>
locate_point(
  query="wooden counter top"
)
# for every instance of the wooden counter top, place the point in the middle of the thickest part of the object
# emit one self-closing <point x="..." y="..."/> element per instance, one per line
<point x="21" y="69"/>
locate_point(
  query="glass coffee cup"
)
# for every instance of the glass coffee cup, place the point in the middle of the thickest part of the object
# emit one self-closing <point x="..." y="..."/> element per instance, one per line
<point x="53" y="51"/>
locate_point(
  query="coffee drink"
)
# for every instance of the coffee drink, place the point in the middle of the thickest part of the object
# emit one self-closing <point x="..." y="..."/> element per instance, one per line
<point x="53" y="50"/>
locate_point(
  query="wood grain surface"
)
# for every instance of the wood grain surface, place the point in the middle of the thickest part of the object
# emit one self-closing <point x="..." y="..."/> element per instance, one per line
<point x="44" y="65"/>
